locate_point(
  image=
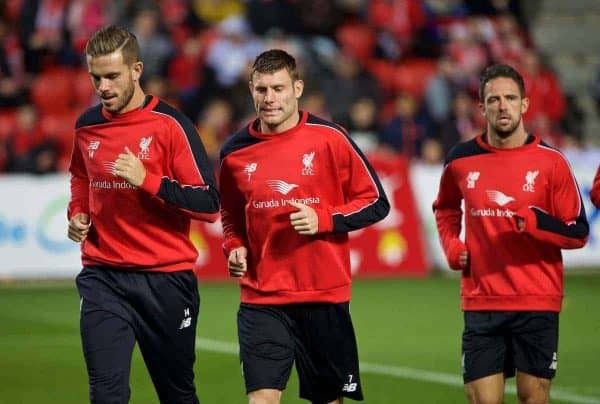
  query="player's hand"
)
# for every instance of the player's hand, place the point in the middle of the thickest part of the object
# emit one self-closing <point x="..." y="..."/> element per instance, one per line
<point x="79" y="226"/>
<point x="305" y="221"/>
<point x="463" y="259"/>
<point x="129" y="167"/>
<point x="520" y="224"/>
<point x="237" y="263"/>
<point x="457" y="255"/>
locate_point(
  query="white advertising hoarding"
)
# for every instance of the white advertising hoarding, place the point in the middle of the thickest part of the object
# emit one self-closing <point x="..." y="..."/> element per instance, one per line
<point x="33" y="228"/>
<point x="33" y="223"/>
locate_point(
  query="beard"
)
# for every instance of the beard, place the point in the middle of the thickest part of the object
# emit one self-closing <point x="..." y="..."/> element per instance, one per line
<point x="123" y="100"/>
<point x="505" y="132"/>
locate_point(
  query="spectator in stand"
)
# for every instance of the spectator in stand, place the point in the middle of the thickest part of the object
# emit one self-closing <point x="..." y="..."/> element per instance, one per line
<point x="407" y="129"/>
<point x="432" y="152"/>
<point x="440" y="91"/>
<point x="464" y="47"/>
<point x="508" y="41"/>
<point x="398" y="22"/>
<point x="155" y="47"/>
<point x="12" y="92"/>
<point x="83" y="18"/>
<point x="42" y="26"/>
<point x="362" y="124"/>
<point x="346" y="81"/>
<point x="542" y="88"/>
<point x="596" y="90"/>
<point x="462" y="124"/>
<point x="28" y="150"/>
<point x="267" y="16"/>
<point x="314" y="102"/>
<point x="215" y="123"/>
<point x="234" y="49"/>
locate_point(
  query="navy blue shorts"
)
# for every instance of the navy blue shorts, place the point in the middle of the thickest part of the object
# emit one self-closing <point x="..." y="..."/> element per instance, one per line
<point x="318" y="337"/>
<point x="157" y="310"/>
<point x="503" y="341"/>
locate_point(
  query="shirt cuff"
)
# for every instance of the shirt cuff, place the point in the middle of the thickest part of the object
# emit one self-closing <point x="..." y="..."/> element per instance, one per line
<point x="231" y="244"/>
<point x="151" y="183"/>
<point x="529" y="217"/>
<point x="325" y="218"/>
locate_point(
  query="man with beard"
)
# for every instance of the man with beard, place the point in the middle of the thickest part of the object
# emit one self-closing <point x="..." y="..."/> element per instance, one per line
<point x="522" y="206"/>
<point x="139" y="173"/>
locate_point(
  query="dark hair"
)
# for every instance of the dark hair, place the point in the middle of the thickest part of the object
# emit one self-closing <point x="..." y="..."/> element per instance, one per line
<point x="114" y="38"/>
<point x="500" y="70"/>
<point x="273" y="60"/>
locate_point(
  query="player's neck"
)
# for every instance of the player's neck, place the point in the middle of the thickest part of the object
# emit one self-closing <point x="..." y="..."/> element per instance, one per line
<point x="138" y="101"/>
<point x="288" y="124"/>
<point x="516" y="139"/>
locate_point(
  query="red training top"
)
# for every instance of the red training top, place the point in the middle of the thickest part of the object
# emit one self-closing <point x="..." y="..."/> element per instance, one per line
<point x="510" y="269"/>
<point x="314" y="163"/>
<point x="145" y="228"/>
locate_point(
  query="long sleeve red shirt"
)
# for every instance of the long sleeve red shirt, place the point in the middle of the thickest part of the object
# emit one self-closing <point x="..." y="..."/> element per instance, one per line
<point x="510" y="269"/>
<point x="595" y="191"/>
<point x="314" y="163"/>
<point x="145" y="228"/>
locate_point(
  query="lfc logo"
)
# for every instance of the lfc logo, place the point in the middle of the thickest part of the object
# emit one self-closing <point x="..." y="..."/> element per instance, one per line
<point x="471" y="178"/>
<point x="144" y="153"/>
<point x="529" y="185"/>
<point x="307" y="161"/>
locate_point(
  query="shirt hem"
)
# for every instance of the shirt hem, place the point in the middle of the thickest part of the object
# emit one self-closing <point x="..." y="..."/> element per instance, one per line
<point x="512" y="303"/>
<point x="337" y="295"/>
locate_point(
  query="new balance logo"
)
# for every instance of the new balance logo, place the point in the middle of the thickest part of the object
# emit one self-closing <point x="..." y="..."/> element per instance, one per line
<point x="350" y="387"/>
<point x="92" y="147"/>
<point x="187" y="320"/>
<point x="185" y="323"/>
<point x="554" y="362"/>
<point x="250" y="168"/>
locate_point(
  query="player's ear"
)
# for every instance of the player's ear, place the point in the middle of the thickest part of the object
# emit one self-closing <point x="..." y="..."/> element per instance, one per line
<point x="298" y="88"/>
<point x="136" y="70"/>
<point x="524" y="105"/>
<point x="482" y="108"/>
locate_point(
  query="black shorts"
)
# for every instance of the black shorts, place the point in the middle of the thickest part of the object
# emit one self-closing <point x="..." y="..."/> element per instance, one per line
<point x="319" y="337"/>
<point x="503" y="341"/>
<point x="155" y="309"/>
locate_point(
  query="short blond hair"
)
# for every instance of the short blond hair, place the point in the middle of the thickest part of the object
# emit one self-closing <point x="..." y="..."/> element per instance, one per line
<point x="114" y="38"/>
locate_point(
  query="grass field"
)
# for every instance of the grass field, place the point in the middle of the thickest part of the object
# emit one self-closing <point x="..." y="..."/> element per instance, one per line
<point x="408" y="332"/>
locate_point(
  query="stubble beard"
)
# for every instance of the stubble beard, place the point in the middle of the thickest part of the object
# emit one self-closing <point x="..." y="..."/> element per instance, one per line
<point x="506" y="133"/>
<point x="124" y="100"/>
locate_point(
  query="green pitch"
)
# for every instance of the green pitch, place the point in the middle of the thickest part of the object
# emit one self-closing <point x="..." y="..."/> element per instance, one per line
<point x="408" y="332"/>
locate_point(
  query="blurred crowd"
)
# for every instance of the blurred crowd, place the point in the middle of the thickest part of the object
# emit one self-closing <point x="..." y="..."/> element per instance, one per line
<point x="400" y="75"/>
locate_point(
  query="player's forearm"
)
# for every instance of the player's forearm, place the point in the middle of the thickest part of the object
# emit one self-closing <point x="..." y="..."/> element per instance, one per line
<point x="547" y="228"/>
